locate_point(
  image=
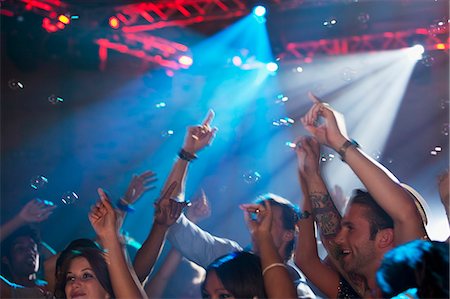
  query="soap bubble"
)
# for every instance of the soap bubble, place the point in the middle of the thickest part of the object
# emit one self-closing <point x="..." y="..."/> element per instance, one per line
<point x="38" y="182"/>
<point x="55" y="99"/>
<point x="251" y="177"/>
<point x="69" y="197"/>
<point x="15" y="84"/>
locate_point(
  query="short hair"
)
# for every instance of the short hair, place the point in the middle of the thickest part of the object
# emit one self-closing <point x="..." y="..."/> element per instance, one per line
<point x="290" y="215"/>
<point x="24" y="231"/>
<point x="240" y="273"/>
<point x="377" y="217"/>
<point x="93" y="254"/>
<point x="8" y="244"/>
<point x="418" y="264"/>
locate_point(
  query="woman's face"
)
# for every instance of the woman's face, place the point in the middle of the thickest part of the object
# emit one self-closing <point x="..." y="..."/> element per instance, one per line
<point x="213" y="288"/>
<point x="81" y="281"/>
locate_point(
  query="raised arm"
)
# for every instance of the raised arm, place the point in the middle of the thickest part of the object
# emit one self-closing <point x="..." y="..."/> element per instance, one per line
<point x="317" y="204"/>
<point x="156" y="284"/>
<point x="167" y="211"/>
<point x="35" y="211"/>
<point x="277" y="281"/>
<point x="197" y="137"/>
<point x="380" y="183"/>
<point x="137" y="187"/>
<point x="123" y="279"/>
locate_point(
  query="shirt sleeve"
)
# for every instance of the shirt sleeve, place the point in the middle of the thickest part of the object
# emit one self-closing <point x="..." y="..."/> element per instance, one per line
<point x="198" y="245"/>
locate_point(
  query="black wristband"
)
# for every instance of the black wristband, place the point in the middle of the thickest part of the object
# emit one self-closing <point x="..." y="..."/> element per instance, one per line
<point x="187" y="156"/>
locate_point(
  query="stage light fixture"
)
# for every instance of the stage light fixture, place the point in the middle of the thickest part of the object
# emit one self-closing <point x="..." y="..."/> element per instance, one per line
<point x="272" y="67"/>
<point x="259" y="11"/>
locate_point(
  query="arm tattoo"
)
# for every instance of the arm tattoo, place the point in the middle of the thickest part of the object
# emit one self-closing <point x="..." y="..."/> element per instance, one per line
<point x="325" y="213"/>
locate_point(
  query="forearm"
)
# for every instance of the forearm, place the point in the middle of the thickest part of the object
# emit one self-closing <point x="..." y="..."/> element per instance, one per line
<point x="306" y="254"/>
<point x="156" y="285"/>
<point x="388" y="193"/>
<point x="124" y="282"/>
<point x="147" y="255"/>
<point x="306" y="247"/>
<point x="9" y="227"/>
<point x="324" y="211"/>
<point x="177" y="174"/>
<point x="277" y="281"/>
<point x="198" y="245"/>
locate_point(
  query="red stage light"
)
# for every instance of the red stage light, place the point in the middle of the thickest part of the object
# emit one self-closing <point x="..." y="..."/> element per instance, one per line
<point x="114" y="22"/>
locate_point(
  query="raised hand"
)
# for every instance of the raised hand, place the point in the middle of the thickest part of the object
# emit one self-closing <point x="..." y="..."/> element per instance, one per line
<point x="200" y="136"/>
<point x="258" y="218"/>
<point x="167" y="210"/>
<point x="199" y="209"/>
<point x="36" y="210"/>
<point x="103" y="217"/>
<point x="308" y="152"/>
<point x="139" y="184"/>
<point x="332" y="131"/>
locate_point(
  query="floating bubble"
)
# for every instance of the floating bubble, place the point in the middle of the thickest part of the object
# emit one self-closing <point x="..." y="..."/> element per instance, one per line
<point x="348" y="74"/>
<point x="69" y="197"/>
<point x="284" y="121"/>
<point x="444" y="130"/>
<point x="38" y="182"/>
<point x="299" y="69"/>
<point x="55" y="99"/>
<point x="290" y="144"/>
<point x="439" y="26"/>
<point x="251" y="177"/>
<point x="281" y="99"/>
<point x="363" y="18"/>
<point x="330" y="22"/>
<point x="427" y="60"/>
<point x="376" y="155"/>
<point x="160" y="105"/>
<point x="390" y="160"/>
<point x="167" y="133"/>
<point x="444" y="104"/>
<point x="15" y="84"/>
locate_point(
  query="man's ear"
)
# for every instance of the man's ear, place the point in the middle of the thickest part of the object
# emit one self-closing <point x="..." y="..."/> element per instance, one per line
<point x="385" y="238"/>
<point x="288" y="235"/>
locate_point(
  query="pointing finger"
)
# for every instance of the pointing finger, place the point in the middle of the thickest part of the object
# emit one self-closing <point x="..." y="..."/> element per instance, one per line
<point x="314" y="98"/>
<point x="209" y="118"/>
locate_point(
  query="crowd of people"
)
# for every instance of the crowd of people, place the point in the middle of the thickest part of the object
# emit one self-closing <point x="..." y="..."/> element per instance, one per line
<point x="379" y="248"/>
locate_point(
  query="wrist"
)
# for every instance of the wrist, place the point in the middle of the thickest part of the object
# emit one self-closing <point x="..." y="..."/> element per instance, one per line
<point x="187" y="155"/>
<point x="342" y="150"/>
<point x="337" y="143"/>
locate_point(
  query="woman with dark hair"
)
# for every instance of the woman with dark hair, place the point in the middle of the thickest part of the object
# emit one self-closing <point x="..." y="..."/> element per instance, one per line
<point x="84" y="253"/>
<point x="417" y="269"/>
<point x="246" y="275"/>
<point x="237" y="275"/>
<point x="86" y="271"/>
